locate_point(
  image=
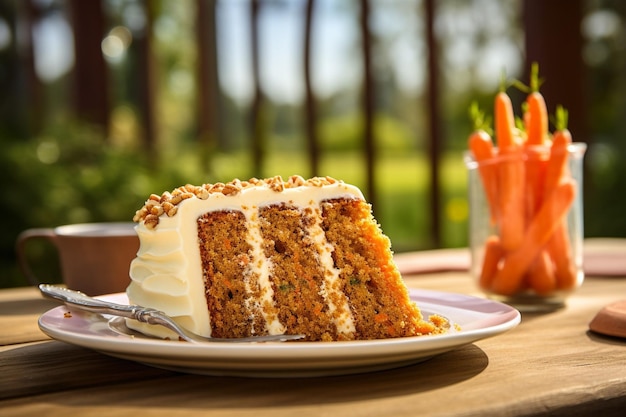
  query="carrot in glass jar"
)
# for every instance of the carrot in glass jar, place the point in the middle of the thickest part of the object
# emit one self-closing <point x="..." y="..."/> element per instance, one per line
<point x="537" y="133"/>
<point x="491" y="259"/>
<point x="481" y="146"/>
<point x="560" y="252"/>
<point x="536" y="124"/>
<point x="510" y="175"/>
<point x="541" y="277"/>
<point x="504" y="122"/>
<point x="537" y="112"/>
<point x="516" y="264"/>
<point x="556" y="171"/>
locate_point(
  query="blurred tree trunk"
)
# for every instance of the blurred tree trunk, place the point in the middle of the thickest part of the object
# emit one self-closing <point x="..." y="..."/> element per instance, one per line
<point x="34" y="88"/>
<point x="258" y="132"/>
<point x="434" y="118"/>
<point x="368" y="102"/>
<point x="17" y="72"/>
<point x="91" y="84"/>
<point x="310" y="108"/>
<point x="146" y="94"/>
<point x="208" y="81"/>
<point x="554" y="41"/>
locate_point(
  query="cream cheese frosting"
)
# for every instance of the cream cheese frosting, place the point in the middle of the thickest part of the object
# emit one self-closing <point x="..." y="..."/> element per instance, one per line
<point x="167" y="272"/>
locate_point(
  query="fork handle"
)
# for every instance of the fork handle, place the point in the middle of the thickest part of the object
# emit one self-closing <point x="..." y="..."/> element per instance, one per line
<point x="84" y="302"/>
<point x="147" y="315"/>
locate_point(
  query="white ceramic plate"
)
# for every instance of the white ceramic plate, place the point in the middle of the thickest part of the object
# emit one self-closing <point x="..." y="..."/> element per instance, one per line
<point x="477" y="318"/>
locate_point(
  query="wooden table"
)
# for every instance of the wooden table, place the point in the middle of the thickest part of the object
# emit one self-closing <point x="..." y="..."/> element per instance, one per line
<point x="549" y="364"/>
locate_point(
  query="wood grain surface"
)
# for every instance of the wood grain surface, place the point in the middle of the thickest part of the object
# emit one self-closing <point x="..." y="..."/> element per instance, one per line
<point x="550" y="364"/>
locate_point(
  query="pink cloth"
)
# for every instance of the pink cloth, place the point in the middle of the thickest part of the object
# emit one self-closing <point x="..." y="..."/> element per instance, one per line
<point x="430" y="261"/>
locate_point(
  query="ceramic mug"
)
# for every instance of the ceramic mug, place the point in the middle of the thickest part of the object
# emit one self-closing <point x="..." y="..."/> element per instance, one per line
<point x="94" y="257"/>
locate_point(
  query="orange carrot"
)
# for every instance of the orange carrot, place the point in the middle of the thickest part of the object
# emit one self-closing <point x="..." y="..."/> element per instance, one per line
<point x="541" y="275"/>
<point x="510" y="175"/>
<point x="556" y="169"/>
<point x="559" y="246"/>
<point x="535" y="167"/>
<point x="511" y="199"/>
<point x="508" y="279"/>
<point x="481" y="146"/>
<point x="381" y="318"/>
<point x="536" y="124"/>
<point x="504" y="121"/>
<point x="560" y="252"/>
<point x="537" y="121"/>
<point x="491" y="259"/>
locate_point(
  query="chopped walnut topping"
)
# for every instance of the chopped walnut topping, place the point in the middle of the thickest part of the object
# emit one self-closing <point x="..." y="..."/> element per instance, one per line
<point x="296" y="181"/>
<point x="217" y="187"/>
<point x="167" y="203"/>
<point x="140" y="214"/>
<point x="203" y="193"/>
<point x="231" y="189"/>
<point x="317" y="182"/>
<point x="156" y="210"/>
<point x="169" y="209"/>
<point x="166" y="196"/>
<point x="276" y="184"/>
<point x="151" y="221"/>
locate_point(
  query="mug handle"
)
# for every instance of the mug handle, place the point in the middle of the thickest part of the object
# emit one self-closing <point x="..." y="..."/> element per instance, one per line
<point x="20" y="247"/>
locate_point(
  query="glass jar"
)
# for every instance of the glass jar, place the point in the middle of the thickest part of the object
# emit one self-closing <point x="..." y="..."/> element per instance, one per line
<point x="526" y="226"/>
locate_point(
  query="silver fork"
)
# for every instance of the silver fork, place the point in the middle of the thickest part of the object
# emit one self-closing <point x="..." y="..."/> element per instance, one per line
<point x="145" y="315"/>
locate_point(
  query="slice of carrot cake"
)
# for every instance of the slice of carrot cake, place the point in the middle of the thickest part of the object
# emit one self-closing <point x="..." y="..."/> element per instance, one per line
<point x="269" y="257"/>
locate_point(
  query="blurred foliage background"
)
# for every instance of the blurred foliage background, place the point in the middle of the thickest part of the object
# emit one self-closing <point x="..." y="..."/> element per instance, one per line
<point x="60" y="164"/>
